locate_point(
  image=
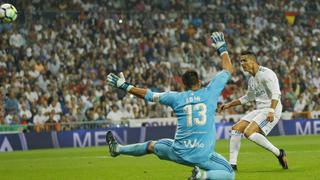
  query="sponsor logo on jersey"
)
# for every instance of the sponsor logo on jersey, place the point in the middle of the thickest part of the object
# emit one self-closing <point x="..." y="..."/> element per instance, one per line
<point x="193" y="143"/>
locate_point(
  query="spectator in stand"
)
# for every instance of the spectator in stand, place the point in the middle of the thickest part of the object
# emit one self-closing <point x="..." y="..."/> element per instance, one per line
<point x="32" y="95"/>
<point x="73" y="54"/>
<point x="127" y="113"/>
<point x="55" y="106"/>
<point x="287" y="105"/>
<point x="300" y="104"/>
<point x="2" y="112"/>
<point x="12" y="119"/>
<point x="51" y="124"/>
<point x="25" y="112"/>
<point x="317" y="102"/>
<point x="65" y="123"/>
<point x="11" y="104"/>
<point x="115" y="115"/>
<point x="24" y="120"/>
<point x="39" y="121"/>
<point x="16" y="39"/>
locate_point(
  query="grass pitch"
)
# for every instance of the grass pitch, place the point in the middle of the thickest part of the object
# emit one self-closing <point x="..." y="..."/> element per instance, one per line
<point x="94" y="163"/>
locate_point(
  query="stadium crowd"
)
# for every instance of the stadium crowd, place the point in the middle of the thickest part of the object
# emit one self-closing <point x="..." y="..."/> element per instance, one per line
<point x="54" y="59"/>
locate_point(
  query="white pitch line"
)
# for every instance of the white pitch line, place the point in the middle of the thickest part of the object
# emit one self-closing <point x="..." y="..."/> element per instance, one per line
<point x="308" y="151"/>
<point x="54" y="157"/>
<point x="109" y="157"/>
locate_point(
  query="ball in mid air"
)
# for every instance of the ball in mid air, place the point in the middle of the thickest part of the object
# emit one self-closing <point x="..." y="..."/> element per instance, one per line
<point x="8" y="13"/>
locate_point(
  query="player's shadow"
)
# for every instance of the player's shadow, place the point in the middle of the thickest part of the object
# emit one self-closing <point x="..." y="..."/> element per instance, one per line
<point x="267" y="170"/>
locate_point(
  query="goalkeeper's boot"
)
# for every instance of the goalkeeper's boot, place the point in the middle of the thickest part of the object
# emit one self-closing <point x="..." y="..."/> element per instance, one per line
<point x="283" y="160"/>
<point x="112" y="143"/>
<point x="196" y="174"/>
<point x="234" y="167"/>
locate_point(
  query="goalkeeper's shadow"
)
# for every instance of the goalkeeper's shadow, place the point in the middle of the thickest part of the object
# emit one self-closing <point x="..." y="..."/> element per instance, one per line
<point x="266" y="171"/>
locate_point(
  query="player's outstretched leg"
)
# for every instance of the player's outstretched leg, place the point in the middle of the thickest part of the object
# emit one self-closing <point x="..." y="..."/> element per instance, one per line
<point x="115" y="149"/>
<point x="198" y="174"/>
<point x="217" y="167"/>
<point x="283" y="159"/>
<point x="253" y="134"/>
<point x="235" y="142"/>
<point x="279" y="153"/>
<point x="112" y="143"/>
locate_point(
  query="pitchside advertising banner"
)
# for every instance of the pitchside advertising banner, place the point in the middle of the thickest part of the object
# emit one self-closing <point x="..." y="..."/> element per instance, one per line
<point x="126" y="135"/>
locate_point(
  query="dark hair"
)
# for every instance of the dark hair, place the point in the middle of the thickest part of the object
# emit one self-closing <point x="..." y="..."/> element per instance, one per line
<point x="190" y="78"/>
<point x="249" y="53"/>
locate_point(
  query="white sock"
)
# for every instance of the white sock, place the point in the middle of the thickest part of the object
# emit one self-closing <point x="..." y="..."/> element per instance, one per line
<point x="235" y="142"/>
<point x="203" y="175"/>
<point x="263" y="141"/>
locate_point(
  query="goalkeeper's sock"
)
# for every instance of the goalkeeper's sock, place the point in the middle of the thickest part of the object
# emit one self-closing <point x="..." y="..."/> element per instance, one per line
<point x="235" y="142"/>
<point x="263" y="142"/>
<point x="138" y="149"/>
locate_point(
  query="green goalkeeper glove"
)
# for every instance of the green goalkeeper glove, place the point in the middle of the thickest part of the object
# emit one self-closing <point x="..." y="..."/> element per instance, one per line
<point x="118" y="82"/>
<point x="219" y="43"/>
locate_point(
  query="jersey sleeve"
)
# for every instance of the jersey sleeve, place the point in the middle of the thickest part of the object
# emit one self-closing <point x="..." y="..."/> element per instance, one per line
<point x="272" y="83"/>
<point x="165" y="98"/>
<point x="219" y="81"/>
<point x="249" y="96"/>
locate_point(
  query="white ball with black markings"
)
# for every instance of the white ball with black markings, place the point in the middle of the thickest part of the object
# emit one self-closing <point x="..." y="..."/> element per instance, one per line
<point x="8" y="13"/>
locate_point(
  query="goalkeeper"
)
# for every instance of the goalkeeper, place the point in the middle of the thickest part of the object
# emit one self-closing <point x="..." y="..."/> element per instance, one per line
<point x="195" y="109"/>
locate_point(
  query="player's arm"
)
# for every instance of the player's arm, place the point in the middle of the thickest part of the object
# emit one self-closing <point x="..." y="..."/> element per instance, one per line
<point x="274" y="103"/>
<point x="235" y="102"/>
<point x="242" y="100"/>
<point x="139" y="92"/>
<point x="166" y="98"/>
<point x="220" y="44"/>
<point x="120" y="82"/>
<point x="272" y="84"/>
<point x="220" y="80"/>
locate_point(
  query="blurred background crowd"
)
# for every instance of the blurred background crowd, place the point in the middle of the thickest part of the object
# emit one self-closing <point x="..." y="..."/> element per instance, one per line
<point x="54" y="59"/>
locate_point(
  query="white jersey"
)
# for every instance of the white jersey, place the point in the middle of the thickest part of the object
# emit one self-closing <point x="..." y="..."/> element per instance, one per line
<point x="263" y="87"/>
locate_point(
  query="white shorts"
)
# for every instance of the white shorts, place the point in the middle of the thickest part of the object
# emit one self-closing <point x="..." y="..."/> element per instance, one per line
<point x="260" y="117"/>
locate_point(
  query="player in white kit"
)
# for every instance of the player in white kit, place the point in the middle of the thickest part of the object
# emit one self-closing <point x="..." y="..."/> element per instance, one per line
<point x="263" y="87"/>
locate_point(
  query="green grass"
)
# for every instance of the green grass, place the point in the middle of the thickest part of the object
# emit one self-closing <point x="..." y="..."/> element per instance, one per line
<point x="93" y="163"/>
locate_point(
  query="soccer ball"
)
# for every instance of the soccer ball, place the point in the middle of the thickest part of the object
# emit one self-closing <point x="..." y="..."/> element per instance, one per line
<point x="8" y="13"/>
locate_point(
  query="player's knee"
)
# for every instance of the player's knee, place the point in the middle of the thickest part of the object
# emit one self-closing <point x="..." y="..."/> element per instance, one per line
<point x="239" y="127"/>
<point x="235" y="128"/>
<point x="247" y="133"/>
<point x="150" y="147"/>
<point x="235" y="132"/>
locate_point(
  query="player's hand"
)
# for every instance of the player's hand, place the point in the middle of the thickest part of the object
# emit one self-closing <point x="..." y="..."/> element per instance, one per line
<point x="223" y="107"/>
<point x="118" y="82"/>
<point x="270" y="116"/>
<point x="219" y="43"/>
